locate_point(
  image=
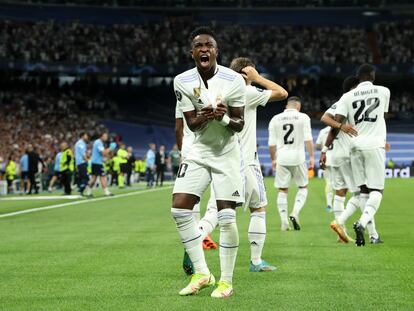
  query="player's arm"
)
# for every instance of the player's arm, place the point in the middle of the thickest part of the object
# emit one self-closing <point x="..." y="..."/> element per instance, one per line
<point x="179" y="132"/>
<point x="272" y="144"/>
<point x="329" y="140"/>
<point x="309" y="148"/>
<point x="329" y="120"/>
<point x="278" y="92"/>
<point x="309" y="142"/>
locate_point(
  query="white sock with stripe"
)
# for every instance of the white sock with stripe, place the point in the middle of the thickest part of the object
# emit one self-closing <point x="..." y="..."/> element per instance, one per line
<point x="229" y="243"/>
<point x="371" y="207"/>
<point x="351" y="207"/>
<point x="191" y="238"/>
<point x="338" y="206"/>
<point x="300" y="200"/>
<point x="257" y="236"/>
<point x="282" y="205"/>
<point x="209" y="222"/>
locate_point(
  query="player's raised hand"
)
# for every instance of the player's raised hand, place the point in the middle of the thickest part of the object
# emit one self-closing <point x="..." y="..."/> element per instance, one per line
<point x="250" y="73"/>
<point x="322" y="161"/>
<point x="220" y="111"/>
<point x="208" y="112"/>
<point x="347" y="128"/>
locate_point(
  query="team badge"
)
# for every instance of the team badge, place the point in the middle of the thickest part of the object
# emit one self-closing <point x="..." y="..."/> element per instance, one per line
<point x="197" y="92"/>
<point x="178" y="95"/>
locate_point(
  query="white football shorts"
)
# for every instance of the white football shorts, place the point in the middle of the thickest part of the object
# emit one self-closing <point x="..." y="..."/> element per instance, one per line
<point x="284" y="175"/>
<point x="368" y="167"/>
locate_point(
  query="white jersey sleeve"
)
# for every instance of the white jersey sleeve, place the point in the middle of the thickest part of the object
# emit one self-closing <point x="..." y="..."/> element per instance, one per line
<point x="307" y="130"/>
<point x="236" y="96"/>
<point x="184" y="102"/>
<point x="178" y="112"/>
<point x="273" y="132"/>
<point x="257" y="97"/>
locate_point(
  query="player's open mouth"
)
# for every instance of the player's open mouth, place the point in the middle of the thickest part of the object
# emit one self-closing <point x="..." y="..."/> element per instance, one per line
<point x="204" y="59"/>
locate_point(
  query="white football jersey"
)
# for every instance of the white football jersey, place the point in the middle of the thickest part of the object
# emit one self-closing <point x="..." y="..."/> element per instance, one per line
<point x="288" y="131"/>
<point x="188" y="135"/>
<point x="321" y="140"/>
<point x="341" y="146"/>
<point x="364" y="107"/>
<point x="226" y="85"/>
<point x="254" y="97"/>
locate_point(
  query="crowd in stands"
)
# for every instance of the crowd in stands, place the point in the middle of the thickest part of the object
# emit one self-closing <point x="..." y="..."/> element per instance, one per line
<point x="44" y="120"/>
<point x="167" y="43"/>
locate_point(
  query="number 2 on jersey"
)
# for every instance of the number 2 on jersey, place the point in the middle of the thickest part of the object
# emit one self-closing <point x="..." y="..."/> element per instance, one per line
<point x="289" y="128"/>
<point x="359" y="116"/>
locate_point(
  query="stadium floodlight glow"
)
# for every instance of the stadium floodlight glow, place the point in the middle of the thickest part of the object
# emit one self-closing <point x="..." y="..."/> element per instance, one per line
<point x="370" y="13"/>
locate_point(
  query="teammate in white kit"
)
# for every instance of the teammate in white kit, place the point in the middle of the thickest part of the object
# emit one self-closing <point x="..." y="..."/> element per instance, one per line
<point x="364" y="108"/>
<point x="255" y="192"/>
<point x="212" y="99"/>
<point x="320" y="142"/>
<point x="289" y="131"/>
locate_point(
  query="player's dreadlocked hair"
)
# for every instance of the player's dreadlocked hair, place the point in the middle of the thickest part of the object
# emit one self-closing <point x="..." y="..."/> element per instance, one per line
<point x="202" y="30"/>
<point x="349" y="83"/>
<point x="239" y="63"/>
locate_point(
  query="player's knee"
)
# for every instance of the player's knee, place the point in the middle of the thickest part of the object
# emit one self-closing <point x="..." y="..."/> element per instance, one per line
<point x="258" y="210"/>
<point x="225" y="204"/>
<point x="183" y="201"/>
<point x="341" y="192"/>
<point x="284" y="190"/>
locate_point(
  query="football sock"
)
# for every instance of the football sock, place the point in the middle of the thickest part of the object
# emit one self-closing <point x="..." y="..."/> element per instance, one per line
<point x="328" y="193"/>
<point x="282" y="205"/>
<point x="363" y="198"/>
<point x="338" y="206"/>
<point x="372" y="231"/>
<point x="371" y="207"/>
<point x="257" y="236"/>
<point x="229" y="242"/>
<point x="191" y="238"/>
<point x="300" y="200"/>
<point x="209" y="222"/>
<point x="120" y="180"/>
<point x="196" y="212"/>
<point x="351" y="207"/>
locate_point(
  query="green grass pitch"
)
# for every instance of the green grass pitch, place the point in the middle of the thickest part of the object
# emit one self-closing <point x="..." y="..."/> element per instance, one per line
<point x="125" y="254"/>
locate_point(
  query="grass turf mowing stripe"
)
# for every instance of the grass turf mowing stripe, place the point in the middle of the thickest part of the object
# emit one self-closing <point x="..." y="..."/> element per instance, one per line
<point x="32" y="210"/>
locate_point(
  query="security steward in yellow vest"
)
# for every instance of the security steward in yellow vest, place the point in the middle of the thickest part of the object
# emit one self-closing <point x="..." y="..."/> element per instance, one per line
<point x="10" y="174"/>
<point x="67" y="166"/>
<point x="122" y="154"/>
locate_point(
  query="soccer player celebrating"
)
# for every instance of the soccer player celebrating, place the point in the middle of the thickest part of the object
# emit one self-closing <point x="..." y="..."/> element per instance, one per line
<point x="364" y="108"/>
<point x="98" y="153"/>
<point x="212" y="99"/>
<point x="81" y="161"/>
<point x="320" y="142"/>
<point x="288" y="132"/>
<point x="255" y="193"/>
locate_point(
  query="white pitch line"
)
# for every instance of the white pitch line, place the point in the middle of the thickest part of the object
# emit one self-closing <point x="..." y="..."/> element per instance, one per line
<point x="33" y="210"/>
<point x="43" y="197"/>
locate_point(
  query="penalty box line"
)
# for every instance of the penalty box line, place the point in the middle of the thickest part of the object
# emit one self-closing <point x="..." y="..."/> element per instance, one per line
<point x="44" y="208"/>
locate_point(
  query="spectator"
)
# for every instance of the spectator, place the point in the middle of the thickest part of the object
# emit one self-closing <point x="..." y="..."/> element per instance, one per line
<point x="150" y="165"/>
<point x="160" y="162"/>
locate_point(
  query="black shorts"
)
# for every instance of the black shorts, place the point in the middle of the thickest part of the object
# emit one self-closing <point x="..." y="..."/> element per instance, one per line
<point x="82" y="169"/>
<point x="9" y="182"/>
<point x="124" y="168"/>
<point x="97" y="170"/>
<point x="24" y="175"/>
<point x="57" y="174"/>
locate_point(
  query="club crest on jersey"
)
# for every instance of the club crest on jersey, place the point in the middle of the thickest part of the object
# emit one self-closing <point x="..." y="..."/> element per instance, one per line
<point x="197" y="92"/>
<point x="178" y="95"/>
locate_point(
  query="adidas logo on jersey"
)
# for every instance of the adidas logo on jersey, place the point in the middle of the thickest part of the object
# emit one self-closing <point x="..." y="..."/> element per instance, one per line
<point x="236" y="194"/>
